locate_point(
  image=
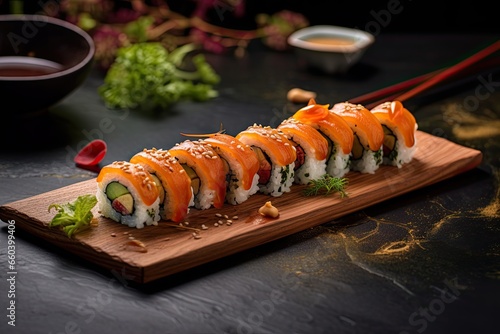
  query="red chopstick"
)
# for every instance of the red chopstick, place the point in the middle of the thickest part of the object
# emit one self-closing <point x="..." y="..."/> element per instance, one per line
<point x="393" y="89"/>
<point x="450" y="71"/>
<point x="420" y="83"/>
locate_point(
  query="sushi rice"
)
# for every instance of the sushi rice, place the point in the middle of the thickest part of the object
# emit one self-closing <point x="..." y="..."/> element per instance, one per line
<point x="236" y="194"/>
<point x="401" y="154"/>
<point x="280" y="182"/>
<point x="369" y="162"/>
<point x="311" y="169"/>
<point x="338" y="163"/>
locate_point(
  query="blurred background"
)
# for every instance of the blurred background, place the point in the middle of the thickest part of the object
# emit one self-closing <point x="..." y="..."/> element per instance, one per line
<point x="376" y="16"/>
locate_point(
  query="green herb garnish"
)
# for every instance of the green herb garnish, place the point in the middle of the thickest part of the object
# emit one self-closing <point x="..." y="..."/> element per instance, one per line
<point x="75" y="216"/>
<point x="146" y="76"/>
<point x="326" y="185"/>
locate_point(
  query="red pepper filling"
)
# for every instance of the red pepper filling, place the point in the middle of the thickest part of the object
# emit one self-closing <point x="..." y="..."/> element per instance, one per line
<point x="301" y="157"/>
<point x="264" y="166"/>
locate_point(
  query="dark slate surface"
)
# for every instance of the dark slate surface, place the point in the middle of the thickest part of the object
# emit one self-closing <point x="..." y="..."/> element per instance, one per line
<point x="425" y="262"/>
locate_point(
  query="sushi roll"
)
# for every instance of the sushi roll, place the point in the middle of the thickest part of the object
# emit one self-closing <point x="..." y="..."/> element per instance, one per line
<point x="206" y="170"/>
<point x="276" y="155"/>
<point x="174" y="185"/>
<point x="242" y="163"/>
<point x="366" y="154"/>
<point x="335" y="130"/>
<point x="127" y="194"/>
<point x="400" y="129"/>
<point x="311" y="148"/>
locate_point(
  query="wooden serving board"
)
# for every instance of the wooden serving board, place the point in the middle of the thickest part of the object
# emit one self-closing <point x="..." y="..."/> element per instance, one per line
<point x="172" y="249"/>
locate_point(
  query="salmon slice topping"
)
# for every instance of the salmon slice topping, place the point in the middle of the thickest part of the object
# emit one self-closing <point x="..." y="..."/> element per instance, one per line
<point x="398" y="119"/>
<point x="206" y="163"/>
<point x="140" y="179"/>
<point x="175" y="182"/>
<point x="307" y="138"/>
<point x="362" y="122"/>
<point x="331" y="125"/>
<point x="273" y="142"/>
<point x="233" y="150"/>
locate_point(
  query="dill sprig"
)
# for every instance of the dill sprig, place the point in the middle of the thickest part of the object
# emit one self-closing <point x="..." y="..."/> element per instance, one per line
<point x="326" y="185"/>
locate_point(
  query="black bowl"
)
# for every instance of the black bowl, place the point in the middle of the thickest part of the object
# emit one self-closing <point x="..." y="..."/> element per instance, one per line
<point x="42" y="60"/>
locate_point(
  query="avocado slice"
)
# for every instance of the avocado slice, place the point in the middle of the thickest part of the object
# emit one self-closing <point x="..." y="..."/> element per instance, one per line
<point x="357" y="149"/>
<point x="115" y="189"/>
<point x="389" y="143"/>
<point x="195" y="180"/>
<point x="330" y="144"/>
<point x="159" y="186"/>
<point x="387" y="131"/>
<point x="124" y="204"/>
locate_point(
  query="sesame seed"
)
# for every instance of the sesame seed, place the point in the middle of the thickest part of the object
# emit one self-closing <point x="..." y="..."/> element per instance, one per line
<point x="218" y="215"/>
<point x="203" y="227"/>
<point x="216" y="225"/>
<point x="226" y="216"/>
<point x="229" y="221"/>
<point x="235" y="217"/>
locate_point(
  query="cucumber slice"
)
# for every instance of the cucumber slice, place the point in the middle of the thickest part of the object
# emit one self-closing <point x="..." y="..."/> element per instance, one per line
<point x="115" y="189"/>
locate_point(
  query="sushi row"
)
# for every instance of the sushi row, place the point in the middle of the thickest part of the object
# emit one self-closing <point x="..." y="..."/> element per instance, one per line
<point x="220" y="168"/>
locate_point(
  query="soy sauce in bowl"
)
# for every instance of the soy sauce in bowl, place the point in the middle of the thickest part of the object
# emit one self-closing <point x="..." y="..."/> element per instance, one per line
<point x="40" y="69"/>
<point x="27" y="66"/>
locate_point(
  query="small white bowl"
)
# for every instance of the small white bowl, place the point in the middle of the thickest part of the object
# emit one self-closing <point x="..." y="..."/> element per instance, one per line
<point x="330" y="48"/>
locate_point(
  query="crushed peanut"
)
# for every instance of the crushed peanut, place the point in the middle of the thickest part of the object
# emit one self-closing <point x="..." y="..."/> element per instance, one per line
<point x="268" y="210"/>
